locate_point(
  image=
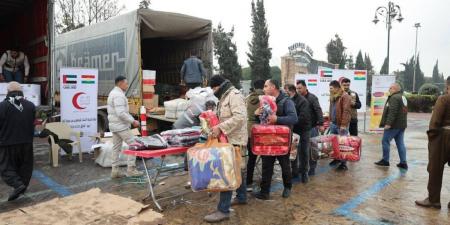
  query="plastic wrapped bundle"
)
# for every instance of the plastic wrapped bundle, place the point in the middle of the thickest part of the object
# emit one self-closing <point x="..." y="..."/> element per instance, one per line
<point x="182" y="137"/>
<point x="323" y="146"/>
<point x="271" y="140"/>
<point x="198" y="97"/>
<point x="150" y="143"/>
<point x="208" y="120"/>
<point x="269" y="107"/>
<point x="294" y="146"/>
<point x="349" y="148"/>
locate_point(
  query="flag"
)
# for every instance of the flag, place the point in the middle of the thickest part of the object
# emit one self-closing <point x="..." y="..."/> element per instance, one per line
<point x="326" y="73"/>
<point x="312" y="82"/>
<point x="360" y="75"/>
<point x="69" y="79"/>
<point x="88" y="79"/>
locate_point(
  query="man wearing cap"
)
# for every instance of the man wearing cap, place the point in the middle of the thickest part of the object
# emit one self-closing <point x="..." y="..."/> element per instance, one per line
<point x="11" y="63"/>
<point x="232" y="114"/>
<point x="16" y="140"/>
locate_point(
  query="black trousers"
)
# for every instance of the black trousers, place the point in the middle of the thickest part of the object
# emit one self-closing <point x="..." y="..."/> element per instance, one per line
<point x="251" y="163"/>
<point x="301" y="164"/>
<point x="16" y="164"/>
<point x="353" y="128"/>
<point x="268" y="163"/>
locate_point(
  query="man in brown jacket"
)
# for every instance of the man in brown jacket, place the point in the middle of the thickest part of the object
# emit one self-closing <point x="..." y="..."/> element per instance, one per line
<point x="340" y="115"/>
<point x="232" y="114"/>
<point x="438" y="149"/>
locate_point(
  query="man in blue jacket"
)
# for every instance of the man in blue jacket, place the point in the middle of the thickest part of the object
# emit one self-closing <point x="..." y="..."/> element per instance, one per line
<point x="286" y="115"/>
<point x="192" y="72"/>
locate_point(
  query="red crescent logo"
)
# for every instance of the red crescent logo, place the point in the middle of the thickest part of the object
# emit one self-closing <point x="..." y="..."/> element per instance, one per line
<point x="75" y="100"/>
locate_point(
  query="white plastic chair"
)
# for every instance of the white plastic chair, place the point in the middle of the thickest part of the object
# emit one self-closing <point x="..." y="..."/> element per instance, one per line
<point x="64" y="132"/>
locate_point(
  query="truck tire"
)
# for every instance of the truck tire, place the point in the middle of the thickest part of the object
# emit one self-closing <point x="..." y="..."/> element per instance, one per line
<point x="102" y="121"/>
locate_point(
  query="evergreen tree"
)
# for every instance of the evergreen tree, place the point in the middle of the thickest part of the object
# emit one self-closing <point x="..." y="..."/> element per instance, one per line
<point x="336" y="52"/>
<point x="260" y="53"/>
<point x="360" y="65"/>
<point x="367" y="66"/>
<point x="226" y="53"/>
<point x="407" y="74"/>
<point x="438" y="78"/>
<point x="384" y="67"/>
<point x="420" y="77"/>
<point x="368" y="63"/>
<point x="144" y="4"/>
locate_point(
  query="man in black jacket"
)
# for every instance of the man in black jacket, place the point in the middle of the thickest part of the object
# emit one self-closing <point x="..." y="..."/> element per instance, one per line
<point x="356" y="104"/>
<point x="316" y="117"/>
<point x="302" y="128"/>
<point x="16" y="140"/>
<point x="285" y="115"/>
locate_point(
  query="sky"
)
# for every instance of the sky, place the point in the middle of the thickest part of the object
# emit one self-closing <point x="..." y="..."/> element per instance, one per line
<point x="316" y="22"/>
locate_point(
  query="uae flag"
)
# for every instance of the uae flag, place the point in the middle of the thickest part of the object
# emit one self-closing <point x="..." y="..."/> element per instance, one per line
<point x="326" y="73"/>
<point x="88" y="79"/>
<point x="69" y="79"/>
<point x="360" y="75"/>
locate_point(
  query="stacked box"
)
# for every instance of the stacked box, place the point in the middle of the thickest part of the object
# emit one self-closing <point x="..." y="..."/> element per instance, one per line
<point x="150" y="100"/>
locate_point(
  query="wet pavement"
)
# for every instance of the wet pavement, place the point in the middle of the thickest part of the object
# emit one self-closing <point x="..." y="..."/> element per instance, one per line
<point x="365" y="194"/>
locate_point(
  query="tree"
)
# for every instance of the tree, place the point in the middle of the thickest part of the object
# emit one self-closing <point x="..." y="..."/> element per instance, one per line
<point x="260" y="53"/>
<point x="246" y="73"/>
<point x="350" y="65"/>
<point x="275" y="73"/>
<point x="73" y="14"/>
<point x="429" y="89"/>
<point x="384" y="69"/>
<point x="226" y="53"/>
<point x="144" y="4"/>
<point x="336" y="52"/>
<point x="438" y="78"/>
<point x="370" y="72"/>
<point x="420" y="77"/>
<point x="360" y="65"/>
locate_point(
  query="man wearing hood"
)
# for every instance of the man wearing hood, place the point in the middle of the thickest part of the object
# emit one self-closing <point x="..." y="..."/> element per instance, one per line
<point x="232" y="114"/>
<point x="252" y="105"/>
<point x="16" y="140"/>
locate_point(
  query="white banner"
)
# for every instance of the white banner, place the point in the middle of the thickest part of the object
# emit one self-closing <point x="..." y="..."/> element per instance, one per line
<point x="358" y="84"/>
<point x="380" y="93"/>
<point x="79" y="90"/>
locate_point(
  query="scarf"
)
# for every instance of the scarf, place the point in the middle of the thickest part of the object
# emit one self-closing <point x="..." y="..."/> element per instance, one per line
<point x="223" y="88"/>
<point x="14" y="98"/>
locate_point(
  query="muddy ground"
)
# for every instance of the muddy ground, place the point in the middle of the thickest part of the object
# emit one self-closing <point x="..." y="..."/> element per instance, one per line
<point x="365" y="194"/>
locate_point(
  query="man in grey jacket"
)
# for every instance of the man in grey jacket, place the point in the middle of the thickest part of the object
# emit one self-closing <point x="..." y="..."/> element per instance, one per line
<point x="119" y="124"/>
<point x="192" y="72"/>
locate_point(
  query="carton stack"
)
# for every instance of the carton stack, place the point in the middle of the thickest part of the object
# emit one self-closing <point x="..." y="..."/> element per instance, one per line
<point x="148" y="89"/>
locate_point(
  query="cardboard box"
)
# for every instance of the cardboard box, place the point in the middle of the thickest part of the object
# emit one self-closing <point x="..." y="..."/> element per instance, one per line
<point x="149" y="77"/>
<point x="151" y="103"/>
<point x="148" y="88"/>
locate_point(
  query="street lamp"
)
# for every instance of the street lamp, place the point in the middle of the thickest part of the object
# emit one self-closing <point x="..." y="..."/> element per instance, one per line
<point x="390" y="13"/>
<point x="417" y="25"/>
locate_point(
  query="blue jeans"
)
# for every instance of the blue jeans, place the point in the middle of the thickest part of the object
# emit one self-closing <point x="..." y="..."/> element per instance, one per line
<point x="13" y="76"/>
<point x="225" y="197"/>
<point x="398" y="135"/>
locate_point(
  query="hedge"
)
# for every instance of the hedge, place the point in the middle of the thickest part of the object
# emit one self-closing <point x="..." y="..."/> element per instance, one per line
<point x="420" y="103"/>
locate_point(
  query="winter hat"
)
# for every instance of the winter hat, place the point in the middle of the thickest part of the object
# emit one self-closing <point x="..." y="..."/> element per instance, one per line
<point x="216" y="80"/>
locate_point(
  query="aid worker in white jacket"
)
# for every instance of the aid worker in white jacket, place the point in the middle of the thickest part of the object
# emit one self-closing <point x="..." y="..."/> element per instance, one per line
<point x="120" y="122"/>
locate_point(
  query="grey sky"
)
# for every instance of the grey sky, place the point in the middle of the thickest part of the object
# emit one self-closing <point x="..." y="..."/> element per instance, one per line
<point x="316" y="22"/>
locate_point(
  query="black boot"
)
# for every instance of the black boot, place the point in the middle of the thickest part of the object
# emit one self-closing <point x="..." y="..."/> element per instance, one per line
<point x="17" y="192"/>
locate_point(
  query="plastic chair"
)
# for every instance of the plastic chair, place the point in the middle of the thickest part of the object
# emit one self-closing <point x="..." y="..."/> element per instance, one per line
<point x="64" y="132"/>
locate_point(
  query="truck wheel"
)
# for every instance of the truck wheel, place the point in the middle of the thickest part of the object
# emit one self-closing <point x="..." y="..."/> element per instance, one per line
<point x="102" y="121"/>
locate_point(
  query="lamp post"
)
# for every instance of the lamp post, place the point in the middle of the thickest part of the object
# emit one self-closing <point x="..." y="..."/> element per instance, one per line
<point x="417" y="25"/>
<point x="391" y="13"/>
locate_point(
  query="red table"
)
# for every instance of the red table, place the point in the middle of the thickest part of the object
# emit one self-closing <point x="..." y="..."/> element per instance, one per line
<point x="145" y="154"/>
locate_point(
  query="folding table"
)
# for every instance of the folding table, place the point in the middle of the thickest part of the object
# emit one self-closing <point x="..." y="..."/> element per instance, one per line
<point x="161" y="153"/>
